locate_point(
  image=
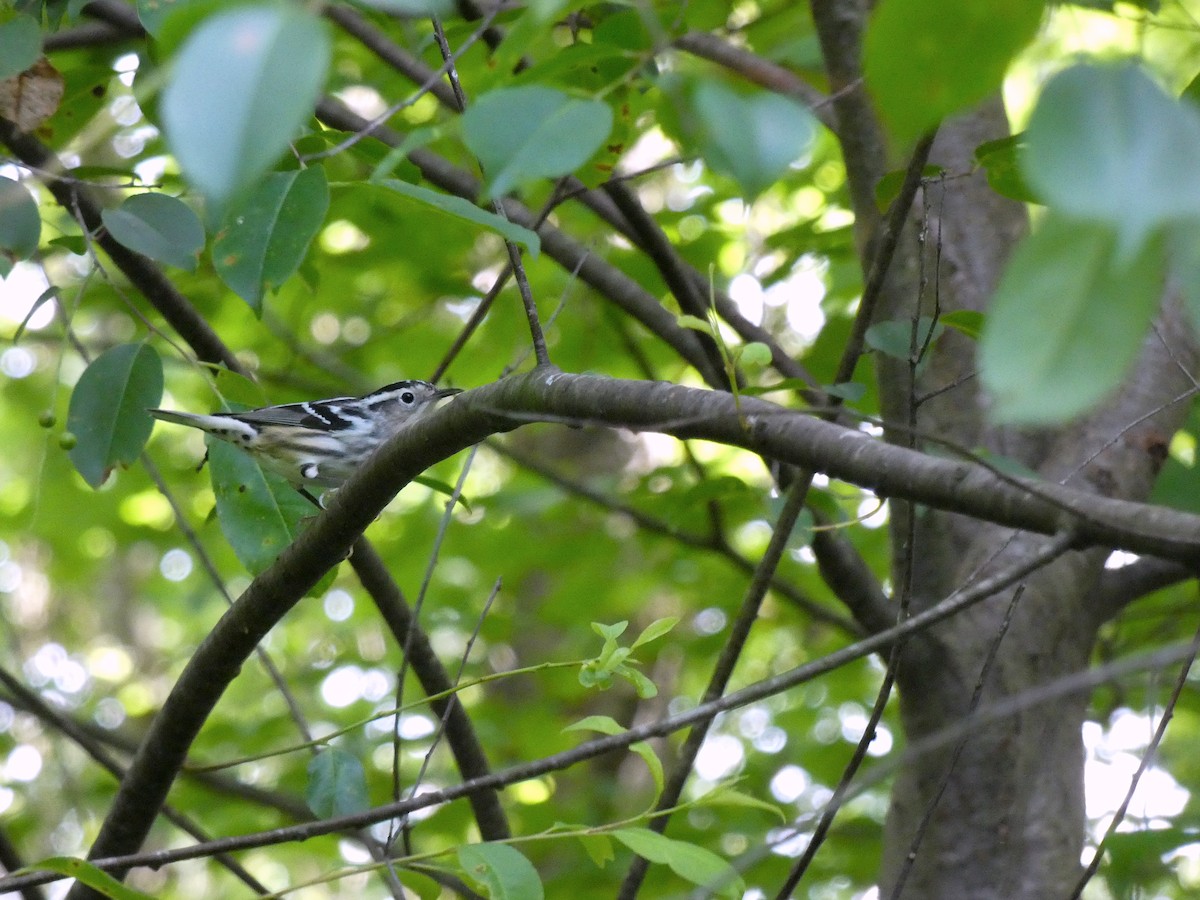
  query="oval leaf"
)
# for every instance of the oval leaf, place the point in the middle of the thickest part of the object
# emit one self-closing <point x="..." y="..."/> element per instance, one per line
<point x="159" y="226"/>
<point x="243" y="84"/>
<point x="337" y="784"/>
<point x="695" y="864"/>
<point x="20" y="45"/>
<point x="502" y="871"/>
<point x="750" y="138"/>
<point x="265" y="237"/>
<point x="108" y="407"/>
<point x="1067" y="321"/>
<point x="1108" y="144"/>
<point x="259" y="512"/>
<point x="20" y="224"/>
<point x="923" y="61"/>
<point x="524" y="133"/>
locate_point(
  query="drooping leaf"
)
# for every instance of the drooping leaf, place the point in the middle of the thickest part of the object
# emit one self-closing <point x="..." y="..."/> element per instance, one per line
<point x="108" y="407"/>
<point x="524" y="133"/>
<point x="501" y="870"/>
<point x="1067" y="321"/>
<point x="259" y="512"/>
<point x="20" y="224"/>
<point x="923" y="61"/>
<point x="265" y="236"/>
<point x="227" y="131"/>
<point x="337" y="784"/>
<point x="1106" y="143"/>
<point x="462" y="209"/>
<point x="159" y="226"/>
<point x="688" y="861"/>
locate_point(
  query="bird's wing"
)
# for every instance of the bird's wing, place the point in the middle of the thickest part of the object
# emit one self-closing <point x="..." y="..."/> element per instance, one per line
<point x="321" y="415"/>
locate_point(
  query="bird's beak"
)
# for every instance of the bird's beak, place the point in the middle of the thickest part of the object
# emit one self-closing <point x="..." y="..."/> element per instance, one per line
<point x="446" y="392"/>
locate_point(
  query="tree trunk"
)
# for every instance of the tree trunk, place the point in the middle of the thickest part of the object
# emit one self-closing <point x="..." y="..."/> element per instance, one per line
<point x="999" y="813"/>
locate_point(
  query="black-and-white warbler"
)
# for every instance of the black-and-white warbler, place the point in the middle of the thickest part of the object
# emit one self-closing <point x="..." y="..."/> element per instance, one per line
<point x="320" y="442"/>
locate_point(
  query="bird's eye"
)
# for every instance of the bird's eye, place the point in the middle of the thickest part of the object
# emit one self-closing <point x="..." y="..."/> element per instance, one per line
<point x="407" y="397"/>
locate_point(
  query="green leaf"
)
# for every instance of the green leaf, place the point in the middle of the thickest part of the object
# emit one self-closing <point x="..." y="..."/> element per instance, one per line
<point x="420" y="884"/>
<point x="86" y="873"/>
<point x="158" y="226"/>
<point x="603" y="724"/>
<point x="266" y="236"/>
<point x="108" y="407"/>
<point x="459" y="208"/>
<point x="650" y="758"/>
<point x="1067" y="321"/>
<point x="337" y="784"/>
<point x="85" y="93"/>
<point x="755" y="353"/>
<point x="524" y="133"/>
<point x="1107" y="144"/>
<point x="695" y="323"/>
<point x="501" y="870"/>
<point x="923" y="61"/>
<point x="20" y="45"/>
<point x="1001" y="161"/>
<point x="850" y="391"/>
<point x="226" y="131"/>
<point x="968" y="322"/>
<point x="692" y="863"/>
<point x="655" y="630"/>
<point x="896" y="337"/>
<point x="723" y="795"/>
<point x="599" y="848"/>
<point x="888" y="187"/>
<point x="259" y="512"/>
<point x="20" y="224"/>
<point x="751" y="138"/>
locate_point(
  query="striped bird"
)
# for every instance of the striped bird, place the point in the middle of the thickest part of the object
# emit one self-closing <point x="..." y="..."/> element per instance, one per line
<point x="320" y="442"/>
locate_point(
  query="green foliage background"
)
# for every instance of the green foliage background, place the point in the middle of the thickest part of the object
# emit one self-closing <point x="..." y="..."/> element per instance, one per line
<point x="104" y="594"/>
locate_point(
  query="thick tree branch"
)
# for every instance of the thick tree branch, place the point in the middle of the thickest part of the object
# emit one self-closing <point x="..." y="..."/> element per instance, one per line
<point x="684" y="412"/>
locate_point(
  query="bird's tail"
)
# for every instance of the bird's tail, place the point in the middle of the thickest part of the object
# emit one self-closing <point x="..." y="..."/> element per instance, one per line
<point x="192" y="420"/>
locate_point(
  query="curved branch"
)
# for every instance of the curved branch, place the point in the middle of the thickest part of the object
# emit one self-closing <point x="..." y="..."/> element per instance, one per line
<point x="753" y="424"/>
